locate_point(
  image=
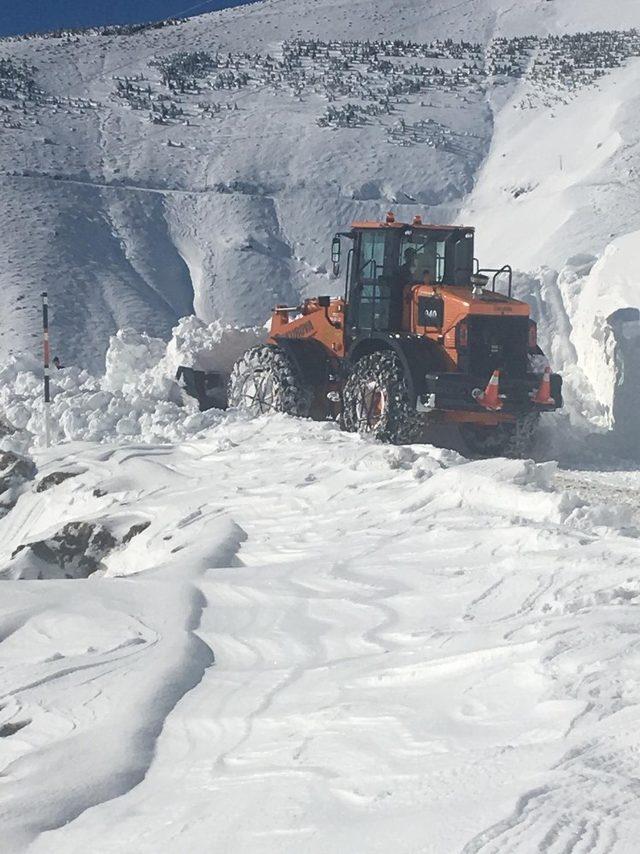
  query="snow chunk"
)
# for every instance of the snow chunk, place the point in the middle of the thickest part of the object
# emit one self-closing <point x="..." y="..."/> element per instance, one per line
<point x="209" y="347"/>
<point x="138" y="397"/>
<point x="130" y="356"/>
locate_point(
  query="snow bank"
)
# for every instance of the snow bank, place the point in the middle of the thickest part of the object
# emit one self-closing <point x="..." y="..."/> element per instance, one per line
<point x="605" y="318"/>
<point x="589" y="325"/>
<point x="137" y="399"/>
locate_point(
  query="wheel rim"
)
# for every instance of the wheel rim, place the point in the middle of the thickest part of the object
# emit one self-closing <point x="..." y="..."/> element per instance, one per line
<point x="371" y="407"/>
<point x="258" y="393"/>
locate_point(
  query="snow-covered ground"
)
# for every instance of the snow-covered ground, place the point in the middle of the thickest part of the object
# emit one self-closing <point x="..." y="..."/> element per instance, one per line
<point x="319" y="643"/>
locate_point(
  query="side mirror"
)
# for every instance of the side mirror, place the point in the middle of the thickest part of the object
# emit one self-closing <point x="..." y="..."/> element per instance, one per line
<point x="335" y="255"/>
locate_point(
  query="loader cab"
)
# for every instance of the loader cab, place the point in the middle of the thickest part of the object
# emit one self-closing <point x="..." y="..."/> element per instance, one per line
<point x="389" y="257"/>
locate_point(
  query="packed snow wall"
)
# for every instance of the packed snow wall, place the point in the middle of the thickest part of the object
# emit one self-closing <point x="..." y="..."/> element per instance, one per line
<point x="605" y="330"/>
<point x="589" y="325"/>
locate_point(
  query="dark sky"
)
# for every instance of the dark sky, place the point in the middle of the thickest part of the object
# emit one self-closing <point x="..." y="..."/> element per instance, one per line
<point x="26" y="16"/>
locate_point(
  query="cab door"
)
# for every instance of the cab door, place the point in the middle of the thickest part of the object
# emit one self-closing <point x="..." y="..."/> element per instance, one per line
<point x="371" y="286"/>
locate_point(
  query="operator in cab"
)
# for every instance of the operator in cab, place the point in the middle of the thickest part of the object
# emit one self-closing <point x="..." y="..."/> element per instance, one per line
<point x="408" y="267"/>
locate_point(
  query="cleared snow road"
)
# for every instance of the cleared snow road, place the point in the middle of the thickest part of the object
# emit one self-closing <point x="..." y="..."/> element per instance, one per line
<point x="412" y="653"/>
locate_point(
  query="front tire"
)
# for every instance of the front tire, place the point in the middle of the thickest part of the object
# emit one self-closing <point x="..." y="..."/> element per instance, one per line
<point x="376" y="400"/>
<point x="266" y="380"/>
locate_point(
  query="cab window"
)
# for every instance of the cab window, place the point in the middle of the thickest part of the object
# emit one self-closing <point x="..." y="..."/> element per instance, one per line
<point x="372" y="248"/>
<point x="437" y="257"/>
<point x="422" y="258"/>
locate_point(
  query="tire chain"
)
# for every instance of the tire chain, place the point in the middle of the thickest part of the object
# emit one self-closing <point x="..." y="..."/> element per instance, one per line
<point x="399" y="423"/>
<point x="289" y="393"/>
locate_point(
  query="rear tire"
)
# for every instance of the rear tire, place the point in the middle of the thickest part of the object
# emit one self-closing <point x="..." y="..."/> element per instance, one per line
<point x="267" y="380"/>
<point x="376" y="400"/>
<point x="513" y="439"/>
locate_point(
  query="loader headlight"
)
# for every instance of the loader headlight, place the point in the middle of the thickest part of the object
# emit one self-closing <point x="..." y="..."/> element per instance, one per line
<point x="478" y="283"/>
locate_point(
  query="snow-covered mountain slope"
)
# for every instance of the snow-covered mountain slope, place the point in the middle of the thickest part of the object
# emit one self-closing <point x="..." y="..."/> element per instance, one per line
<point x="562" y="177"/>
<point x="205" y="164"/>
<point x="412" y="652"/>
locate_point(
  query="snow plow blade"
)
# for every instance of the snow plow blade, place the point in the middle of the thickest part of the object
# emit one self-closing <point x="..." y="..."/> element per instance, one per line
<point x="208" y="387"/>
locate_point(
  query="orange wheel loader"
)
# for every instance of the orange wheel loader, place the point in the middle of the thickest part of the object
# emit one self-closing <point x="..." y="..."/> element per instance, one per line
<point x="421" y="336"/>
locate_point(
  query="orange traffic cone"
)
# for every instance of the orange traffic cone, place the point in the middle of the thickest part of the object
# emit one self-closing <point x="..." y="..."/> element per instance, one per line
<point x="543" y="395"/>
<point x="490" y="397"/>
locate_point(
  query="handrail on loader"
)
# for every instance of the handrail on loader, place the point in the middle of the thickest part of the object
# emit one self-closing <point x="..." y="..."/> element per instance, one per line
<point x="498" y="271"/>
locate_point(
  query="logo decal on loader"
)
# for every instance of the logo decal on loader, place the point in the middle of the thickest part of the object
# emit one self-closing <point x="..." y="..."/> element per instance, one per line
<point x="430" y="311"/>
